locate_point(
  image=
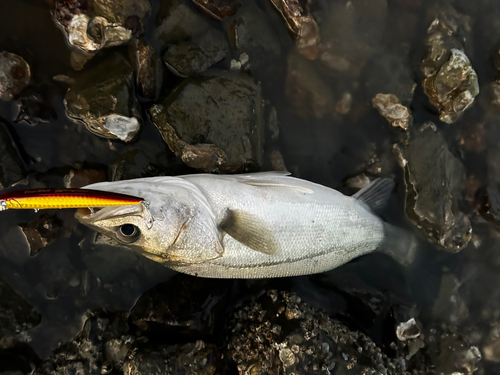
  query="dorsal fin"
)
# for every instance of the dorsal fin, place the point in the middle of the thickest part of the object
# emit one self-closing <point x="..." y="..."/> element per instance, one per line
<point x="376" y="194"/>
<point x="249" y="231"/>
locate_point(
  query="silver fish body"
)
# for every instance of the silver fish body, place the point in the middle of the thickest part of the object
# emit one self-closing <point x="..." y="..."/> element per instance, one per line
<point x="243" y="226"/>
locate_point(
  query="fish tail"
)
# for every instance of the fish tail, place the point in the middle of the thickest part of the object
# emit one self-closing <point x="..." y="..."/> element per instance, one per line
<point x="400" y="244"/>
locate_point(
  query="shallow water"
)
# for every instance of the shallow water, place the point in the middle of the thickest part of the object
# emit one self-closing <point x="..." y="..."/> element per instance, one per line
<point x="72" y="275"/>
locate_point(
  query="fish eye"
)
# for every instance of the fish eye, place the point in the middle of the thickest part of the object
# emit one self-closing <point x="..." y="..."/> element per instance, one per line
<point x="128" y="233"/>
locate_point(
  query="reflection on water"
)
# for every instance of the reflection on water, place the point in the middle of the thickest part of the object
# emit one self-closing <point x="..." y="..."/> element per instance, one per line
<point x="318" y="121"/>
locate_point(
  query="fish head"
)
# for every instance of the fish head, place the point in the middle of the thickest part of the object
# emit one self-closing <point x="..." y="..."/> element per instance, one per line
<point x="171" y="226"/>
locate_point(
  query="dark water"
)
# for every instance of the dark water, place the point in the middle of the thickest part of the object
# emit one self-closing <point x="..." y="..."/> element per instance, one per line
<point x="71" y="275"/>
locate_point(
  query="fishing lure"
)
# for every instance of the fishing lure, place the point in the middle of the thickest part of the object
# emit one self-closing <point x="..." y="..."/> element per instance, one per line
<point x="37" y="199"/>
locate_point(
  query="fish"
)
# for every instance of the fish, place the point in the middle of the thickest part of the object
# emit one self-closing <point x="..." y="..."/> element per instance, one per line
<point x="257" y="225"/>
<point x="55" y="198"/>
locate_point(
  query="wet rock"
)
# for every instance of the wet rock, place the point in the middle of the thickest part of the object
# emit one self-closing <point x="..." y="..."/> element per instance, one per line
<point x="344" y="104"/>
<point x="90" y="25"/>
<point x="434" y="179"/>
<point x="449" y="306"/>
<point x="103" y="99"/>
<point x="358" y="182"/>
<point x="302" y="26"/>
<point x="445" y="352"/>
<point x="450" y="82"/>
<point x="218" y="9"/>
<point x="214" y="122"/>
<point x="41" y="232"/>
<point x="389" y="72"/>
<point x="12" y="168"/>
<point x="351" y="35"/>
<point x="35" y="106"/>
<point x="78" y="178"/>
<point x="280" y="334"/>
<point x="389" y="106"/>
<point x="100" y="348"/>
<point x="148" y="69"/>
<point x="14" y="75"/>
<point x="309" y="95"/>
<point x="184" y="304"/>
<point x="16" y="315"/>
<point x="16" y="358"/>
<point x="253" y="37"/>
<point x="195" y="56"/>
<point x="196" y="358"/>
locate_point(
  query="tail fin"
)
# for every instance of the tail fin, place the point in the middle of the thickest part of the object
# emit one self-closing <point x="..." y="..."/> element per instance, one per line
<point x="399" y="244"/>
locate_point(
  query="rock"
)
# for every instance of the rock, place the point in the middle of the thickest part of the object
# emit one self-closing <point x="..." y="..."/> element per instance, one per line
<point x="408" y="330"/>
<point x="103" y="99"/>
<point x="449" y="306"/>
<point x="309" y="95"/>
<point x="195" y="56"/>
<point x="184" y="305"/>
<point x="14" y="75"/>
<point x="280" y="334"/>
<point x="17" y="358"/>
<point x="389" y="72"/>
<point x="35" y="106"/>
<point x="351" y="34"/>
<point x="344" y="104"/>
<point x="254" y="39"/>
<point x="90" y="25"/>
<point x="100" y="348"/>
<point x="16" y="315"/>
<point x="12" y="168"/>
<point x="196" y="358"/>
<point x="389" y="106"/>
<point x="218" y="9"/>
<point x="445" y="352"/>
<point x="76" y="179"/>
<point x="214" y="122"/>
<point x="148" y="69"/>
<point x="41" y="232"/>
<point x="450" y="82"/>
<point x="302" y="26"/>
<point x="434" y="179"/>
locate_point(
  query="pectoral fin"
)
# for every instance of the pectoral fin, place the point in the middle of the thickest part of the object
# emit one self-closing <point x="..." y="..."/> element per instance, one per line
<point x="250" y="231"/>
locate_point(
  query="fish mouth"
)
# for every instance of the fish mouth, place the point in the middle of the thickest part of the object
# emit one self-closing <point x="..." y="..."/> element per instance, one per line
<point x="89" y="217"/>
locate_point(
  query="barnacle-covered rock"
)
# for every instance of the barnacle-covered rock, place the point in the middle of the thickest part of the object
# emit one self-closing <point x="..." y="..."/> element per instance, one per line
<point x="302" y="25"/>
<point x="214" y="122"/>
<point x="197" y="358"/>
<point x="100" y="348"/>
<point x="90" y="25"/>
<point x="279" y="334"/>
<point x="14" y="75"/>
<point x="389" y="106"/>
<point x="450" y="82"/>
<point x="434" y="178"/>
<point x="103" y="99"/>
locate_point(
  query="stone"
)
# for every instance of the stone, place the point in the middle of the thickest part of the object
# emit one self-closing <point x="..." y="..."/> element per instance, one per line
<point x="14" y="75"/>
<point x="214" y="122"/>
<point x="103" y="99"/>
<point x="434" y="179"/>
